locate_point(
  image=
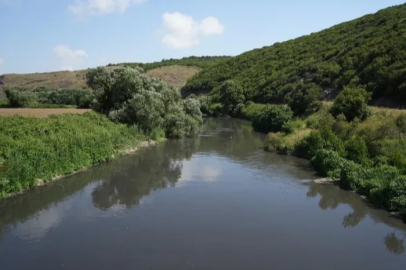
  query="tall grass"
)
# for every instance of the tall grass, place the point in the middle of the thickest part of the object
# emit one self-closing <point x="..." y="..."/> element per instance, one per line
<point x="34" y="151"/>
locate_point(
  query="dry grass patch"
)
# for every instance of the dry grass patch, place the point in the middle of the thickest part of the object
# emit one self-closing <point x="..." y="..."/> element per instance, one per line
<point x="174" y="75"/>
<point x="40" y="113"/>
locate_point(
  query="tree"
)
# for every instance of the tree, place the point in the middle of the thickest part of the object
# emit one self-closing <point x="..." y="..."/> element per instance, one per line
<point x="231" y="94"/>
<point x="353" y="103"/>
<point x="129" y="96"/>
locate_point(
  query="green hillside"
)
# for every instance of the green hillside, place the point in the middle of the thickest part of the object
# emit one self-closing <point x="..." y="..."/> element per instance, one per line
<point x="369" y="52"/>
<point x="192" y="61"/>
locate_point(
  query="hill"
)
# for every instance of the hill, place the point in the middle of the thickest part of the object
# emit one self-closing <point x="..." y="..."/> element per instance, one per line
<point x="175" y="72"/>
<point x="368" y="52"/>
<point x="192" y="61"/>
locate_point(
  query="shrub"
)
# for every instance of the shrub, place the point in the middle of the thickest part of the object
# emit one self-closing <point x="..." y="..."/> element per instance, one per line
<point x="272" y="118"/>
<point x="44" y="96"/>
<point x="353" y="103"/>
<point x="357" y="150"/>
<point x="328" y="163"/>
<point x="252" y="110"/>
<point x="129" y="96"/>
<point x="317" y="140"/>
<point x="352" y="176"/>
<point x="21" y="98"/>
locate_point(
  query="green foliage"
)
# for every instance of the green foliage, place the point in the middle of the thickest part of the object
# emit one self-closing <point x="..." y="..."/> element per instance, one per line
<point x="304" y="98"/>
<point x="329" y="163"/>
<point x="193" y="61"/>
<point x="369" y="51"/>
<point x="129" y="96"/>
<point x="352" y="103"/>
<point x="401" y="123"/>
<point x="272" y="118"/>
<point x="45" y="97"/>
<point x="273" y="142"/>
<point x="231" y="95"/>
<point x="252" y="110"/>
<point x="318" y="140"/>
<point x="357" y="150"/>
<point x="43" y="148"/>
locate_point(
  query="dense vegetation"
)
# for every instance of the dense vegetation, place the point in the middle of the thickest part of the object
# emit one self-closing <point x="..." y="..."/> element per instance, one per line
<point x="129" y="96"/>
<point x="192" y="61"/>
<point x="44" y="96"/>
<point x="280" y="88"/>
<point x="368" y="53"/>
<point x="135" y="107"/>
<point x="34" y="150"/>
<point x="367" y="156"/>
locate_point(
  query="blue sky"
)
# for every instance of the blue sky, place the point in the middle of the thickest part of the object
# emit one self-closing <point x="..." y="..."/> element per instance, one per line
<point x="50" y="35"/>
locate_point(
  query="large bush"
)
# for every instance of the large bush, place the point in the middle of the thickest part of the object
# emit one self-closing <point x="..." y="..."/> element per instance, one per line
<point x="328" y="163"/>
<point x="129" y="96"/>
<point x="318" y="140"/>
<point x="272" y="118"/>
<point x="353" y="103"/>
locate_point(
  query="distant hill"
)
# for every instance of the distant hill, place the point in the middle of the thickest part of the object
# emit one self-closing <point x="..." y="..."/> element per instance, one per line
<point x="192" y="61"/>
<point x="369" y="51"/>
<point x="174" y="71"/>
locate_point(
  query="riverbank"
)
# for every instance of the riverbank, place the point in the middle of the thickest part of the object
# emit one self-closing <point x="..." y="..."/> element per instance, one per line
<point x="367" y="157"/>
<point x="119" y="153"/>
<point x="36" y="151"/>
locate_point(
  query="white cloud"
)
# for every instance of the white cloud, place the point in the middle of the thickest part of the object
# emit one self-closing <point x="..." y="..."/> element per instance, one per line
<point x="1" y="61"/>
<point x="182" y="31"/>
<point x="84" y="8"/>
<point x="70" y="59"/>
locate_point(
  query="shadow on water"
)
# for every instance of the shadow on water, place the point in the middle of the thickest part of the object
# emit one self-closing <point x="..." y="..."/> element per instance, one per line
<point x="125" y="181"/>
<point x="332" y="197"/>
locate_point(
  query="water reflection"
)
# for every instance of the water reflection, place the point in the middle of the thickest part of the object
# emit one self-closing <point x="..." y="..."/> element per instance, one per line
<point x="126" y="182"/>
<point x="394" y="244"/>
<point x="136" y="176"/>
<point x="331" y="197"/>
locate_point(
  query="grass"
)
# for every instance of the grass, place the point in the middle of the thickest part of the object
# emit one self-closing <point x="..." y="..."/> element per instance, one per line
<point x="34" y="151"/>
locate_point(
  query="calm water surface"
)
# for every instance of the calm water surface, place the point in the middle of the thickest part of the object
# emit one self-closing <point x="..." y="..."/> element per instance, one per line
<point x="214" y="202"/>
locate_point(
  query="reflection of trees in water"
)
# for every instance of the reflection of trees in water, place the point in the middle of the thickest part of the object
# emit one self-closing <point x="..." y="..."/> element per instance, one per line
<point x="394" y="244"/>
<point x="230" y="138"/>
<point x="332" y="197"/>
<point x="136" y="176"/>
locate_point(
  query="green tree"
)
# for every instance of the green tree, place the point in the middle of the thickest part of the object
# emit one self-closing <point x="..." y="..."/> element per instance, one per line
<point x="231" y="94"/>
<point x="129" y="96"/>
<point x="353" y="103"/>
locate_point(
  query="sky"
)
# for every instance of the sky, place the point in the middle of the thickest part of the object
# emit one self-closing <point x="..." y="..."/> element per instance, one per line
<point x="51" y="35"/>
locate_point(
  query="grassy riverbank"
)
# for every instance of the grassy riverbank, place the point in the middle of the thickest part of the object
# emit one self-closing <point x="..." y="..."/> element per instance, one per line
<point x="34" y="151"/>
<point x="367" y="156"/>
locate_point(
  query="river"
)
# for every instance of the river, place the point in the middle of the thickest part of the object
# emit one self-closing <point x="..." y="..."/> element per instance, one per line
<point x="217" y="201"/>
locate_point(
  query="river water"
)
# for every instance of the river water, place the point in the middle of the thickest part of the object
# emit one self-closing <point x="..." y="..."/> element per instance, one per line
<point x="214" y="202"/>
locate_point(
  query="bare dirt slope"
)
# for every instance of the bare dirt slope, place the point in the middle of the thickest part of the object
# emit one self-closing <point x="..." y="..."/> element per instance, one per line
<point x="173" y="75"/>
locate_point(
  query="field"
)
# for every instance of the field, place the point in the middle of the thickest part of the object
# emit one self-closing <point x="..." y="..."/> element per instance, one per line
<point x="40" y="113"/>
